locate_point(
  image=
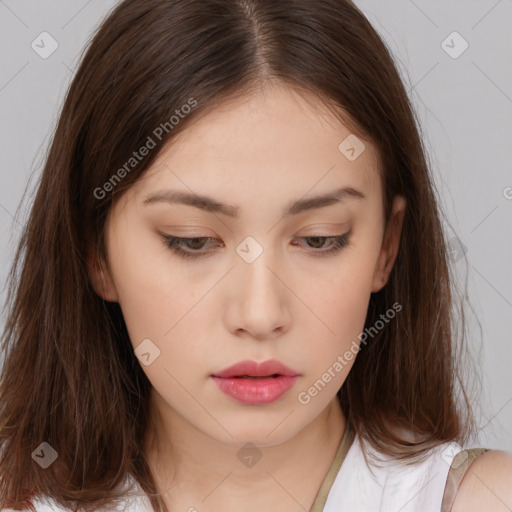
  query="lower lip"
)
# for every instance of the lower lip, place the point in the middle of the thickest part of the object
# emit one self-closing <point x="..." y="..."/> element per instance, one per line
<point x="255" y="391"/>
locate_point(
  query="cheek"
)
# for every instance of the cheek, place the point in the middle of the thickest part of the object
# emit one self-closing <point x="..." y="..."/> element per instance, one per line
<point x="340" y="299"/>
<point x="150" y="302"/>
<point x="343" y="287"/>
<point x="343" y="309"/>
<point x="165" y="314"/>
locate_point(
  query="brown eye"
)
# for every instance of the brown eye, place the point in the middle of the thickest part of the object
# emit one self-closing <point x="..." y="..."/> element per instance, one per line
<point x="336" y="243"/>
<point x="318" y="241"/>
<point x="187" y="247"/>
<point x="194" y="243"/>
<point x="193" y="247"/>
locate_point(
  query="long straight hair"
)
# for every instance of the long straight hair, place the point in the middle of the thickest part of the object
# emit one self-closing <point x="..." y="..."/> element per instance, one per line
<point x="70" y="376"/>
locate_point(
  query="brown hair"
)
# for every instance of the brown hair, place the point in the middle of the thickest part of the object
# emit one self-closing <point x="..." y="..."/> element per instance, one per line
<point x="70" y="376"/>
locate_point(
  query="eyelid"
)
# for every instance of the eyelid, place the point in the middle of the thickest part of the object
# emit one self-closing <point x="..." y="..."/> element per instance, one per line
<point x="188" y="231"/>
<point x="174" y="243"/>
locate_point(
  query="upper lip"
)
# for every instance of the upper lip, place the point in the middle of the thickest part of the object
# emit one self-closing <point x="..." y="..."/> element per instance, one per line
<point x="255" y="369"/>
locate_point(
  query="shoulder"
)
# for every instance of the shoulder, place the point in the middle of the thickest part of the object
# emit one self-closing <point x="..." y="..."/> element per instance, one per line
<point x="486" y="484"/>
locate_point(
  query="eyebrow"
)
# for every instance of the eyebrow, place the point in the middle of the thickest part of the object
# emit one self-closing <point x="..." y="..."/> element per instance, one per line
<point x="213" y="206"/>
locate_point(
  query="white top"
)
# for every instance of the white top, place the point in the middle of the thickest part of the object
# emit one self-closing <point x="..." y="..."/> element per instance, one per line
<point x="394" y="487"/>
<point x="136" y="501"/>
<point x="391" y="488"/>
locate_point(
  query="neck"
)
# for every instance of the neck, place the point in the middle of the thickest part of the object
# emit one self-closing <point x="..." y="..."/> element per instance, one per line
<point x="193" y="470"/>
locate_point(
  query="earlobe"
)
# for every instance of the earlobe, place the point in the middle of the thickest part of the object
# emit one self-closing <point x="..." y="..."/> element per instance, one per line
<point x="101" y="279"/>
<point x="390" y="245"/>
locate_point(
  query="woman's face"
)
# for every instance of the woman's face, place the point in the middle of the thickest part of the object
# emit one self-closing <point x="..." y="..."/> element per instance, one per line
<point x="263" y="278"/>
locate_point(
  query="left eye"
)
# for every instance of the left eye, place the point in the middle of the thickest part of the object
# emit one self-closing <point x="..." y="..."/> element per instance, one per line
<point x="191" y="247"/>
<point x="337" y="243"/>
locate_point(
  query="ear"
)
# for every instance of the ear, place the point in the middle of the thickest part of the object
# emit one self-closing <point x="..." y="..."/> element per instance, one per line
<point x="101" y="278"/>
<point x="390" y="244"/>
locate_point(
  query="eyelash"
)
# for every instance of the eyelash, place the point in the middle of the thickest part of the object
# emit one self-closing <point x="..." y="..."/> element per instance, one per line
<point x="175" y="244"/>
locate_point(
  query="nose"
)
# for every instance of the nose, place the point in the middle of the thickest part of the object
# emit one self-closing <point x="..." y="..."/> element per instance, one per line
<point x="259" y="304"/>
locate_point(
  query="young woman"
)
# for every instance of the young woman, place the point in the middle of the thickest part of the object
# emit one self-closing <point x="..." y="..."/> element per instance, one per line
<point x="233" y="290"/>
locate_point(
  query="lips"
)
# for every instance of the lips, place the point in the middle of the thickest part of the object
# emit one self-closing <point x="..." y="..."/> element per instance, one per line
<point x="253" y="383"/>
<point x="253" y="369"/>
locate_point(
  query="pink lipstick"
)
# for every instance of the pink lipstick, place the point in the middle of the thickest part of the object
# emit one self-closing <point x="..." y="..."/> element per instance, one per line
<point x="253" y="383"/>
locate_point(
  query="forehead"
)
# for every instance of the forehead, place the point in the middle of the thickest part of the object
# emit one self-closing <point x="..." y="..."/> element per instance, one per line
<point x="276" y="143"/>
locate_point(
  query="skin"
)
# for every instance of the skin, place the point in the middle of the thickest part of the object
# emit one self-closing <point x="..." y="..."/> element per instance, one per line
<point x="486" y="484"/>
<point x="205" y="314"/>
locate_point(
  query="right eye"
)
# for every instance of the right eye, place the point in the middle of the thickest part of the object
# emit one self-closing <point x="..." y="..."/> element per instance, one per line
<point x="192" y="246"/>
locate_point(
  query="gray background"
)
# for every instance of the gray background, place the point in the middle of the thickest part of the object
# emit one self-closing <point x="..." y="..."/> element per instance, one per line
<point x="464" y="105"/>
